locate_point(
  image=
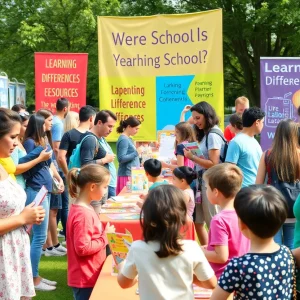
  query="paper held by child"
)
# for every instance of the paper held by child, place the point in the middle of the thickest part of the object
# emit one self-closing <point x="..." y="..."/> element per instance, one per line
<point x="194" y="148"/>
<point x="39" y="198"/>
<point x="119" y="244"/>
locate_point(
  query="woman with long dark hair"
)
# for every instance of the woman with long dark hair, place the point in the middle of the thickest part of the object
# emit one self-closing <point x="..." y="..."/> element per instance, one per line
<point x="212" y="143"/>
<point x="20" y="152"/>
<point x="15" y="268"/>
<point x="52" y="246"/>
<point x="34" y="142"/>
<point x="283" y="158"/>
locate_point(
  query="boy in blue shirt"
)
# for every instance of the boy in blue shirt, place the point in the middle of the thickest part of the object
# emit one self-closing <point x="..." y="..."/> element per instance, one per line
<point x="244" y="150"/>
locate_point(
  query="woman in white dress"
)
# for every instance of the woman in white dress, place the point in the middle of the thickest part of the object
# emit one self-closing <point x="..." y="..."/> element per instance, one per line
<point x="15" y="267"/>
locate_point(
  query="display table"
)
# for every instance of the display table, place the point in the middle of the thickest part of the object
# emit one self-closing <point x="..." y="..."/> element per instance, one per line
<point x="107" y="286"/>
<point x="134" y="227"/>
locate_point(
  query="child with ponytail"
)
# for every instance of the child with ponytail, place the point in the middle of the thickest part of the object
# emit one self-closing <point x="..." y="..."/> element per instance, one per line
<point x="86" y="237"/>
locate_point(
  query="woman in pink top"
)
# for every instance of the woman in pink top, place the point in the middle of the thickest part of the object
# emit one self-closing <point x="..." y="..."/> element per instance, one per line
<point x="184" y="134"/>
<point x="182" y="178"/>
<point x="86" y="237"/>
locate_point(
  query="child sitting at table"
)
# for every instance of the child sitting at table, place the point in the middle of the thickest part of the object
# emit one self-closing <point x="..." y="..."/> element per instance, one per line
<point x="183" y="178"/>
<point x="225" y="239"/>
<point x="166" y="265"/>
<point x="152" y="169"/>
<point x="267" y="271"/>
<point x="86" y="237"/>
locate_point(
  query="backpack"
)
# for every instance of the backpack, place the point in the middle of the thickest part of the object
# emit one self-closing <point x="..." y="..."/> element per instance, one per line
<point x="290" y="190"/>
<point x="75" y="161"/>
<point x="219" y="133"/>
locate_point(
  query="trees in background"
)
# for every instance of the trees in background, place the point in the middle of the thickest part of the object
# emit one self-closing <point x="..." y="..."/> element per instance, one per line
<point x="251" y="29"/>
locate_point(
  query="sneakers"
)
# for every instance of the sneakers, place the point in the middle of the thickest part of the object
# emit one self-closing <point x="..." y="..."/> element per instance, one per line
<point x="64" y="243"/>
<point x="49" y="282"/>
<point x="61" y="248"/>
<point x="42" y="286"/>
<point x="54" y="252"/>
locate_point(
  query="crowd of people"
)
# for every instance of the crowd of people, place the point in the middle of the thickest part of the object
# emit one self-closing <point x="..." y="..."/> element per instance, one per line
<point x="243" y="203"/>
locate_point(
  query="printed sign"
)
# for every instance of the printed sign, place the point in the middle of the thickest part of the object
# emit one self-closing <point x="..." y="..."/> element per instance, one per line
<point x="280" y="93"/>
<point x="152" y="67"/>
<point x="60" y="75"/>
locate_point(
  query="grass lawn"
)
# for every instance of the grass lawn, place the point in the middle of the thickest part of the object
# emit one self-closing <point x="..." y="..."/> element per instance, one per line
<point x="55" y="268"/>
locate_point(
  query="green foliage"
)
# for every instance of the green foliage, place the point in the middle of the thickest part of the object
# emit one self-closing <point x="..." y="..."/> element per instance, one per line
<point x="50" y="26"/>
<point x="251" y="29"/>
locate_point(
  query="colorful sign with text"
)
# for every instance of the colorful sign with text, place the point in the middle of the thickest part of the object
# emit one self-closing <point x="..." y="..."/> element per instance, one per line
<point x="60" y="75"/>
<point x="280" y="93"/>
<point x="151" y="67"/>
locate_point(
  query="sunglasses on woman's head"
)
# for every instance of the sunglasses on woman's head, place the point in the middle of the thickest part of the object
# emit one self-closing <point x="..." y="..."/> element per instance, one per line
<point x="24" y="113"/>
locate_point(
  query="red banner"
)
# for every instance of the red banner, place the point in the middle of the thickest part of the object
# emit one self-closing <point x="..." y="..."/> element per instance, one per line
<point x="60" y="75"/>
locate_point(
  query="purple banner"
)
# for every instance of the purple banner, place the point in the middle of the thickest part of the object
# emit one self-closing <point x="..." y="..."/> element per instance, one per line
<point x="279" y="93"/>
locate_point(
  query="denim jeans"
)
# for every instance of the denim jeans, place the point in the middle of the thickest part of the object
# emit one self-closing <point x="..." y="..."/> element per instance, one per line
<point x="39" y="232"/>
<point x="63" y="213"/>
<point x="285" y="235"/>
<point x="82" y="293"/>
<point x="111" y="191"/>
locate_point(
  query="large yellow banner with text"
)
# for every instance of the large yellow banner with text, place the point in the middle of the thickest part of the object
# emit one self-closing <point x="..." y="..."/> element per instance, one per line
<point x="151" y="67"/>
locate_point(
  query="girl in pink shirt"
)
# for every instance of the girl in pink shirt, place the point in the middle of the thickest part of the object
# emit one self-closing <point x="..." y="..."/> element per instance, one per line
<point x="86" y="237"/>
<point x="183" y="178"/>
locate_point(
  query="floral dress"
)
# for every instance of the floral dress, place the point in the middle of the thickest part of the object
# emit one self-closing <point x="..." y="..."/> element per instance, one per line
<point x="15" y="268"/>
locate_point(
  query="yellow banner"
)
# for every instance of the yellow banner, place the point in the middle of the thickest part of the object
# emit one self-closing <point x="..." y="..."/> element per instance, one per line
<point x="151" y="67"/>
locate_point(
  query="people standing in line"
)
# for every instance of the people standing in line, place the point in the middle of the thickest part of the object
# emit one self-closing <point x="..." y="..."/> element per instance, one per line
<point x="241" y="103"/>
<point x="72" y="137"/>
<point x="95" y="150"/>
<point x="86" y="237"/>
<point x="267" y="271"/>
<point x="166" y="266"/>
<point x="244" y="150"/>
<point x="283" y="158"/>
<point x="63" y="106"/>
<point x="20" y="152"/>
<point x="52" y="246"/>
<point x="127" y="154"/>
<point x="212" y="146"/>
<point x="225" y="239"/>
<point x="34" y="143"/>
<point x="71" y="121"/>
<point x="15" y="267"/>
<point x="184" y="133"/>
